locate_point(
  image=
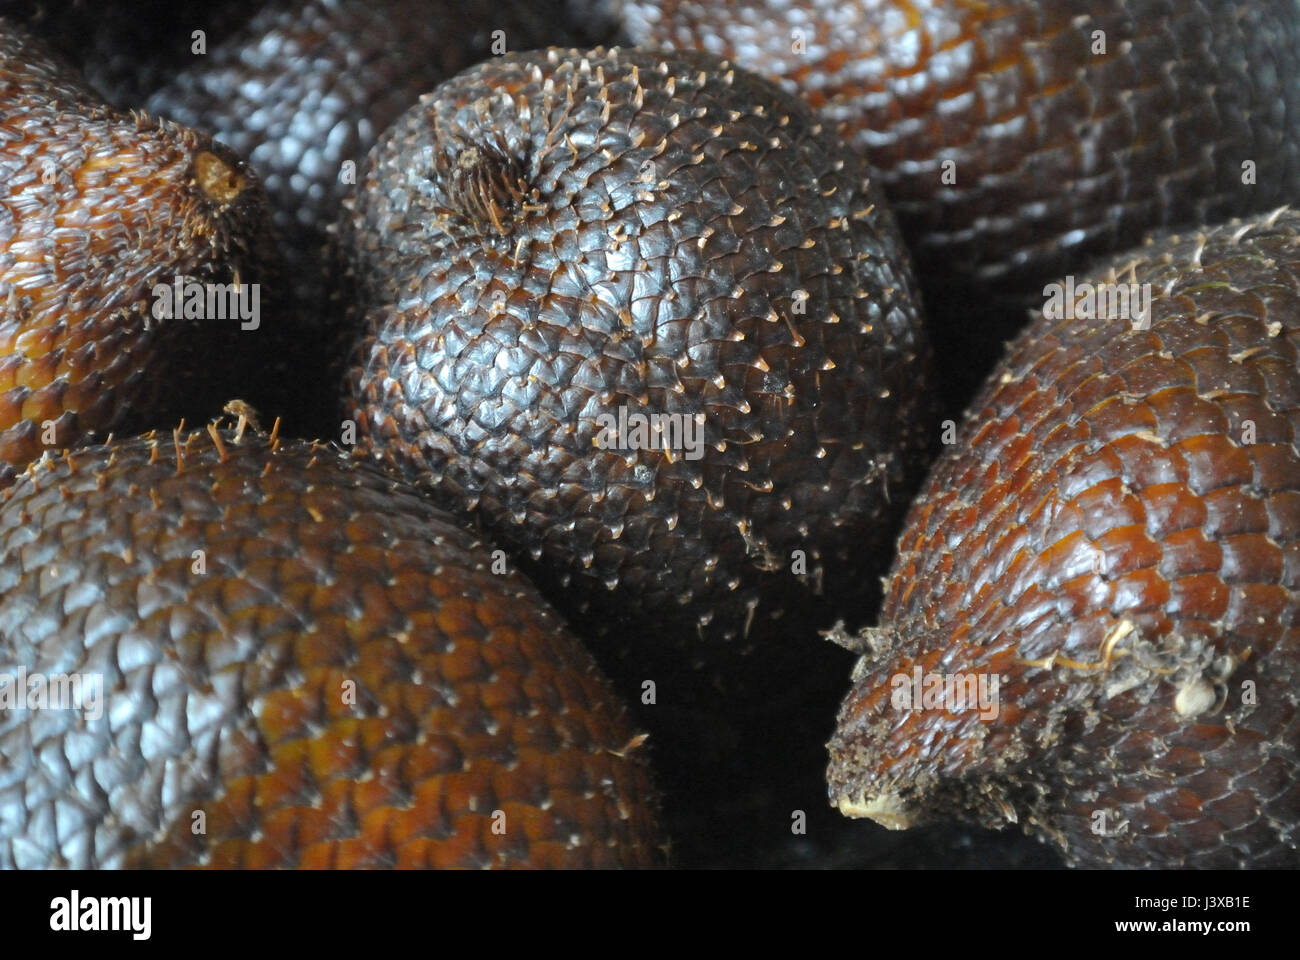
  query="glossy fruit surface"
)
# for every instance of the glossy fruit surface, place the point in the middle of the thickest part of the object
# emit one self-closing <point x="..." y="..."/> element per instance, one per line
<point x="1071" y="127"/>
<point x="1018" y="140"/>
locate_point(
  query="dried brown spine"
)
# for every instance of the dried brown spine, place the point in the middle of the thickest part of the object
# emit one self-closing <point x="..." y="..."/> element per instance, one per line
<point x="486" y="187"/>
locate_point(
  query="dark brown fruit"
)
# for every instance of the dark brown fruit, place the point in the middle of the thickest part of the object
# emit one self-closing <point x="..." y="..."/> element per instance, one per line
<point x="553" y="236"/>
<point x="96" y="209"/>
<point x="1115" y="535"/>
<point x="1059" y="153"/>
<point x="230" y="591"/>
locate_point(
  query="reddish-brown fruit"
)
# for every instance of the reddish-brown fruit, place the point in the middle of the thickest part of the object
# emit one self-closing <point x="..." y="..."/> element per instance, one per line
<point x="1114" y="539"/>
<point x="97" y="208"/>
<point x="306" y="653"/>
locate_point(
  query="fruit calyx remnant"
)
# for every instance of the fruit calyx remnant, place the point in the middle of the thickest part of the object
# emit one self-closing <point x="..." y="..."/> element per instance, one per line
<point x="486" y="187"/>
<point x="888" y="810"/>
<point x="216" y="178"/>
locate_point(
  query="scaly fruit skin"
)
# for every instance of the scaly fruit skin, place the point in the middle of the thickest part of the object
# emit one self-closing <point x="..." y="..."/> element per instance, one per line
<point x="96" y="209"/>
<point x="554" y="235"/>
<point x="1116" y="535"/>
<point x="230" y="591"/>
<point x="1060" y="152"/>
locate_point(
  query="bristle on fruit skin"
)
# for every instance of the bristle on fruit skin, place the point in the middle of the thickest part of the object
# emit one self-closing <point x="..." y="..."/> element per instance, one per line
<point x="655" y="237"/>
<point x="1092" y="627"/>
<point x="104" y="208"/>
<point x="301" y="656"/>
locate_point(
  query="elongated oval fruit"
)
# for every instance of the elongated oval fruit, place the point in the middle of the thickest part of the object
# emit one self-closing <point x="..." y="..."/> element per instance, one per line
<point x="278" y="657"/>
<point x="1093" y="623"/>
<point x="99" y="211"/>
<point x="642" y="316"/>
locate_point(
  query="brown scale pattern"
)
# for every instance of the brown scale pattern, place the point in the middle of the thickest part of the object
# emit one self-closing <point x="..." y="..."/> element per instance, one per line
<point x="1104" y="505"/>
<point x="1060" y="153"/>
<point x="96" y="207"/>
<point x="224" y="688"/>
<point x="673" y="209"/>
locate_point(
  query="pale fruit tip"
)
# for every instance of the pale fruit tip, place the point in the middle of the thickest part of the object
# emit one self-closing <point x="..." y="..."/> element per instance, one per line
<point x="888" y="810"/>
